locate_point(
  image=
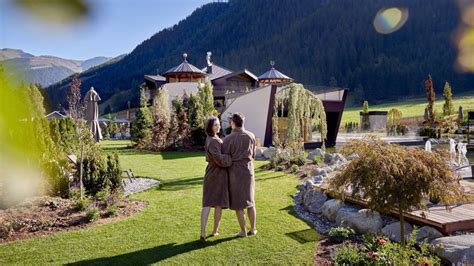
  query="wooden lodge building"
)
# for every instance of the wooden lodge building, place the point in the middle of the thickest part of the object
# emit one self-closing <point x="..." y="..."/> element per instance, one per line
<point x="244" y="92"/>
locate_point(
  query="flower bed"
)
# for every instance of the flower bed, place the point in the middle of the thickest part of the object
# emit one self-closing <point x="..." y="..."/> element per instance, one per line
<point x="46" y="215"/>
<point x="378" y="250"/>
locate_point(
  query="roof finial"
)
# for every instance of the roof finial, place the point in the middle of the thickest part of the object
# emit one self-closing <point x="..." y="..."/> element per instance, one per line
<point x="272" y="63"/>
<point x="185" y="57"/>
<point x="208" y="58"/>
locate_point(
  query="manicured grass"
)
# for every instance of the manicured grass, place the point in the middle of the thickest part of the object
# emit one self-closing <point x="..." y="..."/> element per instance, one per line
<point x="410" y="108"/>
<point x="167" y="230"/>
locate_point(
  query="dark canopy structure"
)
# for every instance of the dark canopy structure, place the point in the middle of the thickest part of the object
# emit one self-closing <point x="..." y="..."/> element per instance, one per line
<point x="184" y="72"/>
<point x="273" y="77"/>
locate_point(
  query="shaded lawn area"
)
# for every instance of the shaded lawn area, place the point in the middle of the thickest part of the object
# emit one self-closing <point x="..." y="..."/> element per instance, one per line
<point x="167" y="230"/>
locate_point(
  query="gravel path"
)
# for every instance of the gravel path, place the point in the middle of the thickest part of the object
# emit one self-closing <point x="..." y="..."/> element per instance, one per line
<point x="138" y="184"/>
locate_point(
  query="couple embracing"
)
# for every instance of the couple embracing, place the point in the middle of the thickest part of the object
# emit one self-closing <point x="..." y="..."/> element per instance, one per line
<point x="229" y="181"/>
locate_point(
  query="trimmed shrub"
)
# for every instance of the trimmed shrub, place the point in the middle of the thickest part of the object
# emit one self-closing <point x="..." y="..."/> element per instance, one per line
<point x="111" y="212"/>
<point x="280" y="168"/>
<point x="348" y="255"/>
<point x="101" y="173"/>
<point x="294" y="168"/>
<point x="298" y="159"/>
<point x="81" y="205"/>
<point x="340" y="234"/>
<point x="317" y="160"/>
<point x="92" y="215"/>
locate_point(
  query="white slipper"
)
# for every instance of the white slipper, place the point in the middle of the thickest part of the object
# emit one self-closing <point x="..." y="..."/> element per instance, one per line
<point x="240" y="234"/>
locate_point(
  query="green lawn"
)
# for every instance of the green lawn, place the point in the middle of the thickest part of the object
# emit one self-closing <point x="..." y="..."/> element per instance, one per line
<point x="166" y="231"/>
<point x="410" y="108"/>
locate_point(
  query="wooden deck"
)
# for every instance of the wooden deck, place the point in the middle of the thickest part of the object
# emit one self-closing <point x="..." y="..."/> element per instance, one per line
<point x="447" y="220"/>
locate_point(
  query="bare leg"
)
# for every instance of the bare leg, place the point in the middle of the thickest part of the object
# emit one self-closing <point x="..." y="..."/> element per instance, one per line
<point x="241" y="218"/>
<point x="252" y="213"/>
<point x="217" y="219"/>
<point x="204" y="215"/>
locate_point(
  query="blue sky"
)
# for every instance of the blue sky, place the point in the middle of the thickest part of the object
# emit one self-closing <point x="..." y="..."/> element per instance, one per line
<point x="114" y="27"/>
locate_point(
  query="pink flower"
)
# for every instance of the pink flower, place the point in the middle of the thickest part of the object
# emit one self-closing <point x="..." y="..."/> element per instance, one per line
<point x="371" y="254"/>
<point x="381" y="241"/>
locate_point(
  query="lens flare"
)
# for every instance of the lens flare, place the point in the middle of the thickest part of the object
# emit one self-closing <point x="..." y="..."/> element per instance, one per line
<point x="464" y="37"/>
<point x="468" y="15"/>
<point x="389" y="20"/>
<point x="465" y="43"/>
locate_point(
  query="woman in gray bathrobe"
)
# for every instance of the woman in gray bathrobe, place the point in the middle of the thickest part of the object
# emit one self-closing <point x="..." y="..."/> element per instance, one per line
<point x="216" y="180"/>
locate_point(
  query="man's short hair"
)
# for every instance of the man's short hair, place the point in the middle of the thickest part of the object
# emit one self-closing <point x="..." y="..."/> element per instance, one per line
<point x="238" y="119"/>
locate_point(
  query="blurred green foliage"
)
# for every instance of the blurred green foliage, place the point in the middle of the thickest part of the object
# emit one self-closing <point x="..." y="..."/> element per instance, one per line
<point x="56" y="11"/>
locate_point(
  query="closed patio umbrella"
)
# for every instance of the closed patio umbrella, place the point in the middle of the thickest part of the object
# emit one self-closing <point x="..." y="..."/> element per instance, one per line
<point x="92" y="113"/>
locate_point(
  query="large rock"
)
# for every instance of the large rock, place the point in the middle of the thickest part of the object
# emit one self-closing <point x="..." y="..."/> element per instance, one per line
<point x="330" y="209"/>
<point x="317" y="152"/>
<point x="339" y="158"/>
<point x="427" y="233"/>
<point x="308" y="184"/>
<point x="334" y="159"/>
<point x="304" y="187"/>
<point x="392" y="231"/>
<point x="314" y="199"/>
<point x="284" y="154"/>
<point x="317" y="179"/>
<point x="362" y="221"/>
<point x="352" y="156"/>
<point x="328" y="158"/>
<point x="455" y="248"/>
<point x="260" y="152"/>
<point x="319" y="171"/>
<point x="343" y="212"/>
<point x="269" y="153"/>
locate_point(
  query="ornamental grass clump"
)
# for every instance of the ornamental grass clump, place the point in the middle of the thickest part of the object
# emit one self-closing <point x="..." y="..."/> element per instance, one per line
<point x="391" y="177"/>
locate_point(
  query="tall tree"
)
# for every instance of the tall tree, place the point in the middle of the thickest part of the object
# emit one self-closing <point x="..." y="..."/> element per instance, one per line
<point x="161" y="121"/>
<point x="394" y="116"/>
<point x="206" y="97"/>
<point x="74" y="98"/>
<point x="448" y="107"/>
<point x="36" y="100"/>
<point x="431" y="97"/>
<point x="141" y="125"/>
<point x="365" y="116"/>
<point x="365" y="107"/>
<point x="195" y="111"/>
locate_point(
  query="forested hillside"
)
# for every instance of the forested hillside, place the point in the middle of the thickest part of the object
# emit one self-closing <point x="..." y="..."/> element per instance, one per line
<point x="316" y="42"/>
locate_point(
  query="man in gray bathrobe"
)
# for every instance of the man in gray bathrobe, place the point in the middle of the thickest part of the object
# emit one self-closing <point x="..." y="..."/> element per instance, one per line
<point x="240" y="145"/>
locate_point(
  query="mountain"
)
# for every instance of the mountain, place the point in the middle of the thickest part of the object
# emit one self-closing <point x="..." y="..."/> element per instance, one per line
<point x="316" y="42"/>
<point x="45" y="70"/>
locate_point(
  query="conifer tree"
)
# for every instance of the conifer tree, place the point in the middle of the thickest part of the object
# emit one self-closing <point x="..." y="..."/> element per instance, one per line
<point x="141" y="125"/>
<point x="365" y="107"/>
<point x="206" y="97"/>
<point x="365" y="116"/>
<point x="35" y="100"/>
<point x="161" y="122"/>
<point x="196" y="117"/>
<point x="431" y="96"/>
<point x="74" y="98"/>
<point x="173" y="136"/>
<point x="448" y="107"/>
